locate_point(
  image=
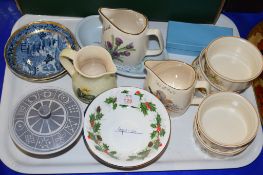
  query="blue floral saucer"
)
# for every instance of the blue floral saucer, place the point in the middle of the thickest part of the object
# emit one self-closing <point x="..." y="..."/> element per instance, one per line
<point x="32" y="52"/>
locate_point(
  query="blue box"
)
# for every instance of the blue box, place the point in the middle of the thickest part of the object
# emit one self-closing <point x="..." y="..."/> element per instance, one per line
<point x="190" y="39"/>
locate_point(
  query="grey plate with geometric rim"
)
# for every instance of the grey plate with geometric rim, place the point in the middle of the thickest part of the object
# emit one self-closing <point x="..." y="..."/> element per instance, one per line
<point x="32" y="52"/>
<point x="46" y="121"/>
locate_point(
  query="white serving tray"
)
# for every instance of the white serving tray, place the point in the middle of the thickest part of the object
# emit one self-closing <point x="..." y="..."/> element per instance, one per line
<point x="181" y="154"/>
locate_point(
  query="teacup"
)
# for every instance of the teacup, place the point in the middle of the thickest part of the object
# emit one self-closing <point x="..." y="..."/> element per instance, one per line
<point x="92" y="71"/>
<point x="232" y="63"/>
<point x="174" y="83"/>
<point x="125" y="35"/>
<point x="226" y="121"/>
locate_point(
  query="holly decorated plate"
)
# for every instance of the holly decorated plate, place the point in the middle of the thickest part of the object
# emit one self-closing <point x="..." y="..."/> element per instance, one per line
<point x="126" y="128"/>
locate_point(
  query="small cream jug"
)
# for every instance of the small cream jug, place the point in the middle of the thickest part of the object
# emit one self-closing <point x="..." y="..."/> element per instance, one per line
<point x="92" y="71"/>
<point x="125" y="35"/>
<point x="174" y="83"/>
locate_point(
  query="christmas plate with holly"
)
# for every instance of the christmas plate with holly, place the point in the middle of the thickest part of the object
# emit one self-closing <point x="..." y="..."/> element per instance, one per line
<point x="126" y="128"/>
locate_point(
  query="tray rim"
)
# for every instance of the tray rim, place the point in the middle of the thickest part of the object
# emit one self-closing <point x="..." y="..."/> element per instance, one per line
<point x="23" y="168"/>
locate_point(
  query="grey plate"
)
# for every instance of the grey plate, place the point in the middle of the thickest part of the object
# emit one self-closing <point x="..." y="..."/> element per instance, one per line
<point x="46" y="121"/>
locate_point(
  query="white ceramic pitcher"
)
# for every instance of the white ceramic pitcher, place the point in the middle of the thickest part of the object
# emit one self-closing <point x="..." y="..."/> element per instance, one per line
<point x="92" y="71"/>
<point x="174" y="83"/>
<point x="125" y="35"/>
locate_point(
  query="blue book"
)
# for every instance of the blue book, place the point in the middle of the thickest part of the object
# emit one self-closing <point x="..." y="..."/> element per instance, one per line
<point x="190" y="39"/>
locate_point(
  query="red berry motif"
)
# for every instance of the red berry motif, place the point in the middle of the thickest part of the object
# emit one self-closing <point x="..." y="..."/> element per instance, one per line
<point x="147" y="105"/>
<point x="160" y="145"/>
<point x="158" y="128"/>
<point x="137" y="93"/>
<point x="88" y="136"/>
<point x="106" y="151"/>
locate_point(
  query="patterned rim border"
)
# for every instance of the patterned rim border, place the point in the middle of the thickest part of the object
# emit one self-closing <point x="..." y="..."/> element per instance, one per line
<point x="47" y="79"/>
<point x="137" y="164"/>
<point x="53" y="152"/>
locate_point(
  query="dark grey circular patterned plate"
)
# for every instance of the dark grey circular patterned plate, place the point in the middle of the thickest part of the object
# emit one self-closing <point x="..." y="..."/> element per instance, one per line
<point x="46" y="121"/>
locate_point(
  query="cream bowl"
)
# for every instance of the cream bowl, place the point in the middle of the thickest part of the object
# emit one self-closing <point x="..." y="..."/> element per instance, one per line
<point x="232" y="63"/>
<point x="198" y="64"/>
<point x="212" y="150"/>
<point x="227" y="120"/>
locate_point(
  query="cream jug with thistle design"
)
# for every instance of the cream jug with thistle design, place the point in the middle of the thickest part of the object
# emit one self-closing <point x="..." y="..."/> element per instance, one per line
<point x="92" y="71"/>
<point x="125" y="35"/>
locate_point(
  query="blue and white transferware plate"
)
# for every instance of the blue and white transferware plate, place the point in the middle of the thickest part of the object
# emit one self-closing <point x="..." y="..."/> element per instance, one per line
<point x="89" y="31"/>
<point x="32" y="52"/>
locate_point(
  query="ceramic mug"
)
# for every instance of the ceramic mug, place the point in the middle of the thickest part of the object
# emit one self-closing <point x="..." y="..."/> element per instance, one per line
<point x="125" y="35"/>
<point x="226" y="121"/>
<point x="232" y="63"/>
<point x="92" y="71"/>
<point x="174" y="83"/>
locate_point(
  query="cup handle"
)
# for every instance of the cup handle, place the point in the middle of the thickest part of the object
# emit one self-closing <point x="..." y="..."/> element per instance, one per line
<point x="200" y="84"/>
<point x="157" y="33"/>
<point x="65" y="56"/>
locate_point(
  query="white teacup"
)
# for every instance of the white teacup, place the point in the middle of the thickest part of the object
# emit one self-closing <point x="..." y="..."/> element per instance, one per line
<point x="227" y="121"/>
<point x="232" y="63"/>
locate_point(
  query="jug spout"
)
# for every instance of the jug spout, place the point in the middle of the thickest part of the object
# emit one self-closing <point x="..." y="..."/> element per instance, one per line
<point x="123" y="20"/>
<point x="151" y="66"/>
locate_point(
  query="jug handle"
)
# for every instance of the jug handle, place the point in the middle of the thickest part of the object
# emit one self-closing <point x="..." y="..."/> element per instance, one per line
<point x="157" y="33"/>
<point x="65" y="56"/>
<point x="201" y="84"/>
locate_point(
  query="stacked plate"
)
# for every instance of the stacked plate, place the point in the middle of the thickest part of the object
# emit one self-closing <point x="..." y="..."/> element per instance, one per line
<point x="32" y="52"/>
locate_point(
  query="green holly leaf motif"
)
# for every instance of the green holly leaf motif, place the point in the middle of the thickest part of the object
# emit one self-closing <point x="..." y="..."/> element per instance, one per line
<point x="158" y="119"/>
<point x="92" y="136"/>
<point x="125" y="91"/>
<point x="131" y="158"/>
<point x="154" y="134"/>
<point x="98" y="148"/>
<point x="99" y="116"/>
<point x="96" y="127"/>
<point x="114" y="106"/>
<point x="162" y="132"/>
<point x="105" y="146"/>
<point x="92" y="117"/>
<point x="143" y="108"/>
<point x="113" y="152"/>
<point x="153" y="125"/>
<point x="156" y="144"/>
<point x="111" y="100"/>
<point x="152" y="106"/>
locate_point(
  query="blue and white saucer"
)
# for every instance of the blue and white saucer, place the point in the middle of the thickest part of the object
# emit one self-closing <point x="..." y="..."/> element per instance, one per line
<point x="32" y="52"/>
<point x="89" y="31"/>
